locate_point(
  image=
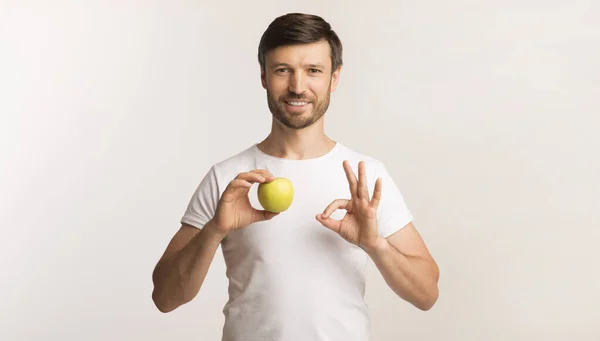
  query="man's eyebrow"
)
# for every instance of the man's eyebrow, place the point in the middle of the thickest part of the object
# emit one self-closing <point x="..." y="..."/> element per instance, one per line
<point x="280" y="64"/>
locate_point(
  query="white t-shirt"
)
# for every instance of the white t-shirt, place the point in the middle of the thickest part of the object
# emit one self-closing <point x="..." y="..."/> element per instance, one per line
<point x="291" y="278"/>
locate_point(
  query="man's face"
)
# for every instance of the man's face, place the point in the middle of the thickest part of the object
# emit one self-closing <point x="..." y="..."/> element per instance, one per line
<point x="299" y="81"/>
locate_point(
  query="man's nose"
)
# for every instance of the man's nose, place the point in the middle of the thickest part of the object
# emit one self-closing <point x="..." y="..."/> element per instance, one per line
<point x="297" y="85"/>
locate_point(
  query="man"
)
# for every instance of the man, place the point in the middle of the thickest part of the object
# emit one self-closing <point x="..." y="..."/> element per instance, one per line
<point x="298" y="274"/>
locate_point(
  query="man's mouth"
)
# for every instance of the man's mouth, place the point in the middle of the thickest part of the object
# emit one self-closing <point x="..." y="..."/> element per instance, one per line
<point x="296" y="103"/>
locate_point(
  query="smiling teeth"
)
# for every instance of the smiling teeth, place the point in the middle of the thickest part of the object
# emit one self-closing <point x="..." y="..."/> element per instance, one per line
<point x="297" y="104"/>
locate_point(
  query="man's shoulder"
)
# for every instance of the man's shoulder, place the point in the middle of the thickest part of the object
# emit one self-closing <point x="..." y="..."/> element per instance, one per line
<point x="354" y="155"/>
<point x="235" y="163"/>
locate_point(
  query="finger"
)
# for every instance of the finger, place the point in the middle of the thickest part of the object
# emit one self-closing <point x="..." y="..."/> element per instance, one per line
<point x="351" y="178"/>
<point x="363" y="190"/>
<point x="264" y="173"/>
<point x="376" y="193"/>
<point x="251" y="177"/>
<point x="239" y="183"/>
<point x="330" y="223"/>
<point x="335" y="205"/>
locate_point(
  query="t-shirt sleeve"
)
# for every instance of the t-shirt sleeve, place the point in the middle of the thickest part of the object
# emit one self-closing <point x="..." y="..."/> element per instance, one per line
<point x="203" y="204"/>
<point x="393" y="213"/>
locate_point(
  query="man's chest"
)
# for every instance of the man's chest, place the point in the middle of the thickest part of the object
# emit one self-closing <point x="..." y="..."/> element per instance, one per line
<point x="295" y="236"/>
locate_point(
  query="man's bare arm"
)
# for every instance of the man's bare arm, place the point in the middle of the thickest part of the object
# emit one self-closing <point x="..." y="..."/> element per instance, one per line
<point x="180" y="272"/>
<point x="407" y="267"/>
<point x="182" y="268"/>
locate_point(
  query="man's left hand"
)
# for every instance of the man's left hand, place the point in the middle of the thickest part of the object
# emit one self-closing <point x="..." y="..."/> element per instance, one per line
<point x="359" y="224"/>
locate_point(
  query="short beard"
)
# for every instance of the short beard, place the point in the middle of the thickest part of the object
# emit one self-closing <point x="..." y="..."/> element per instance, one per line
<point x="297" y="122"/>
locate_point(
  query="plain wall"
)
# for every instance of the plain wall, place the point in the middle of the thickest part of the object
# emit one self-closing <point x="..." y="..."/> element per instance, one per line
<point x="485" y="113"/>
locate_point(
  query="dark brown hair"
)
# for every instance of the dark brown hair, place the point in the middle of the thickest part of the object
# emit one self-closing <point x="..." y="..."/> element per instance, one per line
<point x="299" y="28"/>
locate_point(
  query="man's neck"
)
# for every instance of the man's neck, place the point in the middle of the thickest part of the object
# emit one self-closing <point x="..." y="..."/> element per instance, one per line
<point x="307" y="143"/>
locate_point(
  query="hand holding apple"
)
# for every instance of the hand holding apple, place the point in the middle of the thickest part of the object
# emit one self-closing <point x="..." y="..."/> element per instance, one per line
<point x="234" y="210"/>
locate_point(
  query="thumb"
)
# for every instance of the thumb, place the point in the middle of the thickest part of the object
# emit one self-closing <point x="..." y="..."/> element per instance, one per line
<point x="261" y="215"/>
<point x="329" y="222"/>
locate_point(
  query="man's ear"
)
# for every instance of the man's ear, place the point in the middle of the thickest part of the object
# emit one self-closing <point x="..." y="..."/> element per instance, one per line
<point x="335" y="77"/>
<point x="263" y="79"/>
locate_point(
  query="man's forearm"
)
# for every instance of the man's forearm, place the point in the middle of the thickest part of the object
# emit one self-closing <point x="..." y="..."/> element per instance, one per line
<point x="177" y="279"/>
<point x="413" y="279"/>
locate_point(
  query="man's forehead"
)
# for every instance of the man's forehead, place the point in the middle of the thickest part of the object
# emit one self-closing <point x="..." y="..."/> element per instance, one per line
<point x="314" y="54"/>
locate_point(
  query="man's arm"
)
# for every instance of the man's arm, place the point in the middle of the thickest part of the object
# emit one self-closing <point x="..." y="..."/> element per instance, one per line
<point x="408" y="267"/>
<point x="182" y="268"/>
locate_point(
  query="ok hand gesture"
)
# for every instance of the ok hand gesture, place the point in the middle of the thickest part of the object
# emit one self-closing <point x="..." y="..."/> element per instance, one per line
<point x="359" y="225"/>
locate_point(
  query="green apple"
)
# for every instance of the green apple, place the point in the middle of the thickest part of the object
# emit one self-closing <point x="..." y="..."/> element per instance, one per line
<point x="276" y="196"/>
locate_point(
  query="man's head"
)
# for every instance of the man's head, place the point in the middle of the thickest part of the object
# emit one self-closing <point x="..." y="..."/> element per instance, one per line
<point x="300" y="57"/>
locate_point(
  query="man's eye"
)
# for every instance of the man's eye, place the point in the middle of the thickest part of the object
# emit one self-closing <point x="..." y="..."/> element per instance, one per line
<point x="282" y="70"/>
<point x="314" y="70"/>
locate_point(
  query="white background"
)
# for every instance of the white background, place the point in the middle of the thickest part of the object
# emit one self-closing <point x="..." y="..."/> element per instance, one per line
<point x="485" y="113"/>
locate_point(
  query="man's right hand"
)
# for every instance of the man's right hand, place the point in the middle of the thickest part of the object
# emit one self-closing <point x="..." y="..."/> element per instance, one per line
<point x="234" y="210"/>
<point x="180" y="272"/>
